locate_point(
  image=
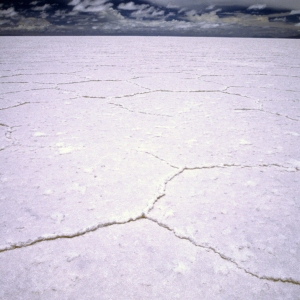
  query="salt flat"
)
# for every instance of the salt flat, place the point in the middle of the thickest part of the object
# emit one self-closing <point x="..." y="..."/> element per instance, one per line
<point x="149" y="168"/>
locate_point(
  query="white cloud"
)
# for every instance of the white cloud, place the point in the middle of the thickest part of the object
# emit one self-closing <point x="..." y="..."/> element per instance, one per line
<point x="210" y="19"/>
<point x="10" y="12"/>
<point x="182" y="10"/>
<point x="170" y="5"/>
<point x="191" y="13"/>
<point x="96" y="8"/>
<point x="87" y="2"/>
<point x="62" y="14"/>
<point x="59" y="13"/>
<point x="101" y="8"/>
<point x="257" y="6"/>
<point x="74" y="2"/>
<point x="41" y="8"/>
<point x="142" y="11"/>
<point x="32" y="24"/>
<point x="132" y="6"/>
<point x="279" y="19"/>
<point x="2" y="22"/>
<point x="90" y="5"/>
<point x="171" y="14"/>
<point x="148" y="13"/>
<point x="210" y="7"/>
<point x="289" y="4"/>
<point x="295" y="12"/>
<point x="153" y="25"/>
<point x="44" y="15"/>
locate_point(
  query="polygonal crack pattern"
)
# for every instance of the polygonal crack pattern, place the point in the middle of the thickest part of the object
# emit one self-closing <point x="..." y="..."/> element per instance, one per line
<point x="206" y="150"/>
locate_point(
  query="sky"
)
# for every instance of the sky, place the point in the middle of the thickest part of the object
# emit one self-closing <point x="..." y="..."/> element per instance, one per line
<point x="228" y="18"/>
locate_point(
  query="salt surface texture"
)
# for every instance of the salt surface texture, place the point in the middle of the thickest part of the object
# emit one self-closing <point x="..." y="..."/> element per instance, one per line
<point x="149" y="168"/>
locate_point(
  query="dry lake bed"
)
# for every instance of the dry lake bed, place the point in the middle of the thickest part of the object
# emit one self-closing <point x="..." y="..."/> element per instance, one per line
<point x="149" y="168"/>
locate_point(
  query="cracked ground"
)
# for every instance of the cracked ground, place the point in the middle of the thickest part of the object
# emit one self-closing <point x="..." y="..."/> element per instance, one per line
<point x="149" y="168"/>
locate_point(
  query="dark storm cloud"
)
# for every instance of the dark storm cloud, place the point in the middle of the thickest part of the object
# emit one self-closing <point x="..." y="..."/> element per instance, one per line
<point x="269" y="18"/>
